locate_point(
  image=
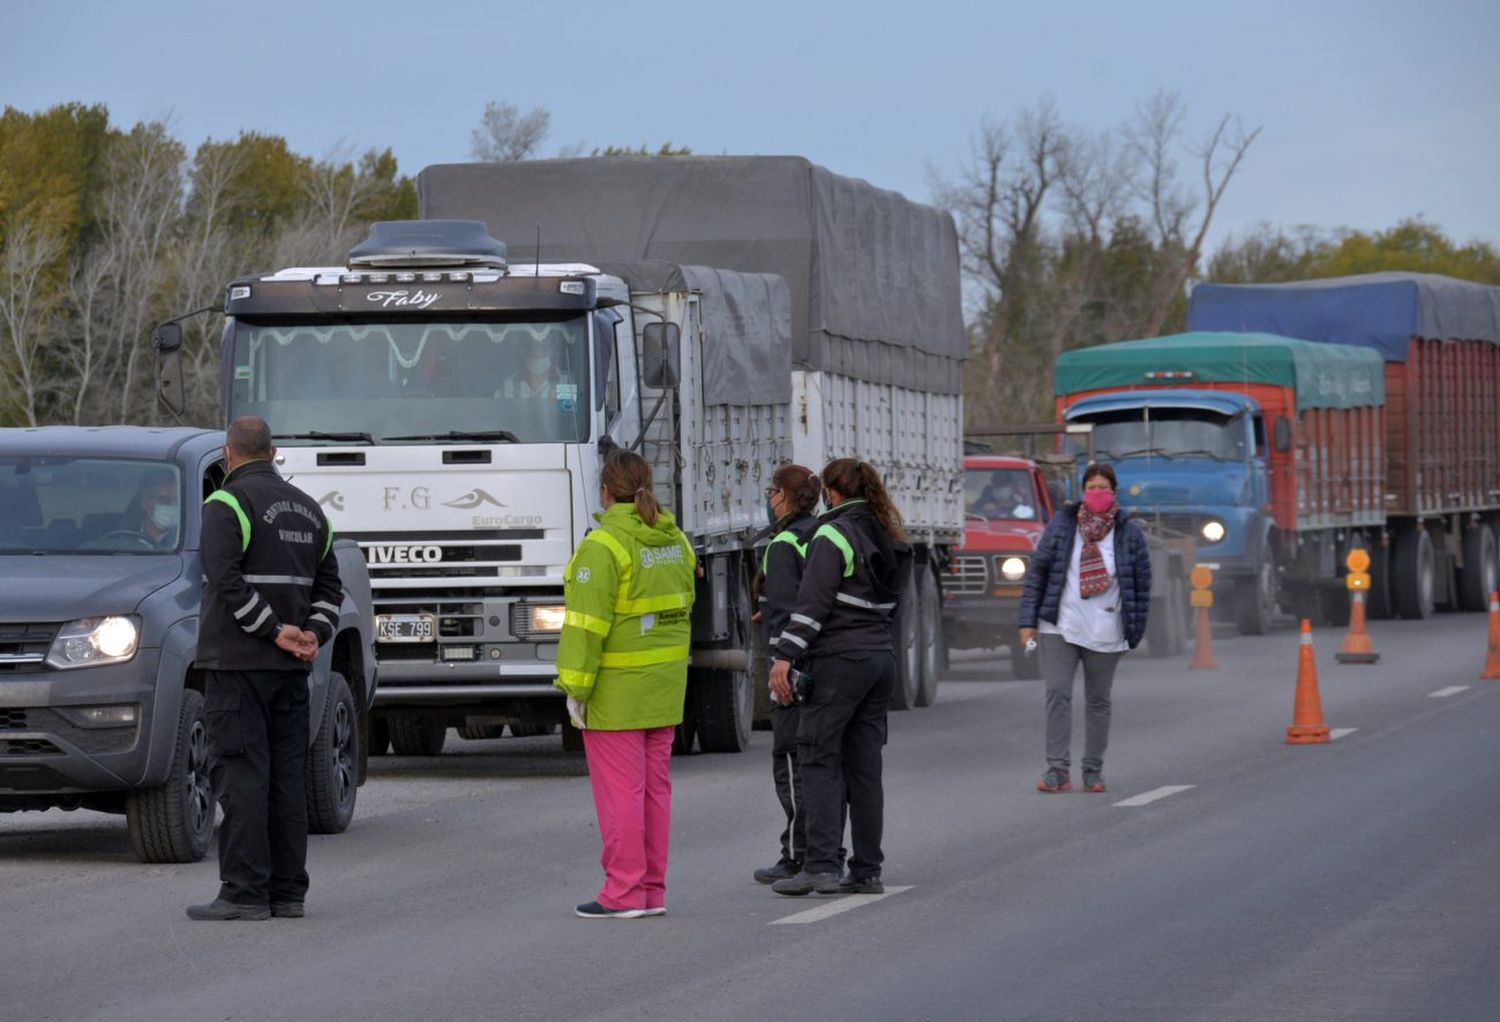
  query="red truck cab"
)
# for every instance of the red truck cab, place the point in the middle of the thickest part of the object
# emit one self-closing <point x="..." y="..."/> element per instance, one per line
<point x="1006" y="507"/>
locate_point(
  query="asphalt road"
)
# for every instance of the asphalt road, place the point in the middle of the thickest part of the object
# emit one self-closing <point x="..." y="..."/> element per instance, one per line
<point x="1358" y="880"/>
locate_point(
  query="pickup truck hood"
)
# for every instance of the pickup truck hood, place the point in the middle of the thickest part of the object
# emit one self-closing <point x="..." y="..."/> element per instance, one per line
<point x="1001" y="536"/>
<point x="1181" y="482"/>
<point x="57" y="588"/>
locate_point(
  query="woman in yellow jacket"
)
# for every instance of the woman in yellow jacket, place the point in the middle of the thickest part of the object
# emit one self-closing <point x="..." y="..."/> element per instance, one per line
<point x="622" y="661"/>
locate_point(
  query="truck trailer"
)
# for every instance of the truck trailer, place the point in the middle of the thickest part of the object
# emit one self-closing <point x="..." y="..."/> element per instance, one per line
<point x="719" y="315"/>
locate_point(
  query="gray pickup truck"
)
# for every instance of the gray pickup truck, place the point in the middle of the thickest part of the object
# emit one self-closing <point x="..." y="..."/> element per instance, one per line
<point x="101" y="703"/>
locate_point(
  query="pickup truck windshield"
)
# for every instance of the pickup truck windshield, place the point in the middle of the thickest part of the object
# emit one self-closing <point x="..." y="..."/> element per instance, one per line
<point x="1001" y="494"/>
<point x="1167" y="433"/>
<point x="421" y="382"/>
<point x="61" y="505"/>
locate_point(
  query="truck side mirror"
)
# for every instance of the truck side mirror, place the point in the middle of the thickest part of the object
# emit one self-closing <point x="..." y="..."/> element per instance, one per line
<point x="1282" y="434"/>
<point x="167" y="338"/>
<point x="660" y="344"/>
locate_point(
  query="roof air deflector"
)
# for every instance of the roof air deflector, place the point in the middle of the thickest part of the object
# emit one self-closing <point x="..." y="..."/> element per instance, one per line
<point x="395" y="243"/>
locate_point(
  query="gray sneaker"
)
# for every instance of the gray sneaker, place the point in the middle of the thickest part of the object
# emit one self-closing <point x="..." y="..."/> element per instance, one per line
<point x="807" y="883"/>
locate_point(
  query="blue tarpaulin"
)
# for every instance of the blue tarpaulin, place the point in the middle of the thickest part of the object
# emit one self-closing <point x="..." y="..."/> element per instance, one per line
<point x="1383" y="311"/>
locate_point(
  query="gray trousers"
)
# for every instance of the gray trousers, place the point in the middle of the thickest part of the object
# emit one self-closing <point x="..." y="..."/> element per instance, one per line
<point x="1059" y="663"/>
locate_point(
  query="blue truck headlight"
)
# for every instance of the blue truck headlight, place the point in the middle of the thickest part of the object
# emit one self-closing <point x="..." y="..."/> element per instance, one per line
<point x="91" y="641"/>
<point x="1213" y="530"/>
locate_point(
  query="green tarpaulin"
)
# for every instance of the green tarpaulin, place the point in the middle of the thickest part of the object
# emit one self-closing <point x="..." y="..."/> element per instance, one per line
<point x="1323" y="375"/>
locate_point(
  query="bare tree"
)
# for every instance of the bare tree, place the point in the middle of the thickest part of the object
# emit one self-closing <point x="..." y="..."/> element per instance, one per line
<point x="26" y="306"/>
<point x="505" y="134"/>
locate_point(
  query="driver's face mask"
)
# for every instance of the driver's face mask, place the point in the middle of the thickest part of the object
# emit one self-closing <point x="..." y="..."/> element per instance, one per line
<point x="165" y="517"/>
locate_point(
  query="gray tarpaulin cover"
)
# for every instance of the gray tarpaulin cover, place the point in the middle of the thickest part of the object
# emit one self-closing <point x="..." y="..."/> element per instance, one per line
<point x="874" y="277"/>
<point x="1383" y="311"/>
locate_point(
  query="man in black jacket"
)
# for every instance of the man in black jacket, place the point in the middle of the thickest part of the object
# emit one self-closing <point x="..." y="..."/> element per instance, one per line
<point x="271" y="595"/>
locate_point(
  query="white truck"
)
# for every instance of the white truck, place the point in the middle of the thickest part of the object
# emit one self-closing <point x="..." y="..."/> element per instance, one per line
<point x="449" y="406"/>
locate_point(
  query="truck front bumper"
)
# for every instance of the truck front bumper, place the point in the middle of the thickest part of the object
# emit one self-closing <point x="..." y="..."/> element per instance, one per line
<point x="970" y="621"/>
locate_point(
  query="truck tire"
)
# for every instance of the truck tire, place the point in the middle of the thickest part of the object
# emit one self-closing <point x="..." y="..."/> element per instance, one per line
<point x="1481" y="572"/>
<point x="930" y="613"/>
<point x="683" y="736"/>
<point x="418" y="736"/>
<point x="908" y="635"/>
<point x="1378" y="603"/>
<point x="1255" y="601"/>
<point x="332" y="762"/>
<point x="174" y="822"/>
<point x="726" y="702"/>
<point x="1333" y="606"/>
<point x="481" y="732"/>
<point x="1023" y="667"/>
<point x="1415" y="574"/>
<point x="532" y="728"/>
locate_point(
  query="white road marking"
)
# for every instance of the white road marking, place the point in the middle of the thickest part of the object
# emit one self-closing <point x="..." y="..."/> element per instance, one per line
<point x="1146" y="798"/>
<point x="833" y="908"/>
<point x="1444" y="693"/>
<point x="1336" y="733"/>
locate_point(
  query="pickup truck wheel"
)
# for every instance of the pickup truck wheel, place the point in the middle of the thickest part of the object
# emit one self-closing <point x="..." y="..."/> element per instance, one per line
<point x="481" y="732"/>
<point x="332" y="762"/>
<point x="1023" y="667"/>
<point x="908" y="634"/>
<point x="418" y="736"/>
<point x="1255" y="602"/>
<point x="532" y="729"/>
<point x="1478" y="578"/>
<point x="175" y="821"/>
<point x="1416" y="574"/>
<point x="930" y="613"/>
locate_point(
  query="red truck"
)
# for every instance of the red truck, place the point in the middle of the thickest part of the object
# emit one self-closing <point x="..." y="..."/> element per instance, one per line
<point x="1006" y="507"/>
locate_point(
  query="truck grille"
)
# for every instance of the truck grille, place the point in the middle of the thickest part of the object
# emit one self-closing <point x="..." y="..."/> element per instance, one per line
<point x="23" y="647"/>
<point x="27" y="747"/>
<point x="967" y="576"/>
<point x="47" y="721"/>
<point x="1169" y="526"/>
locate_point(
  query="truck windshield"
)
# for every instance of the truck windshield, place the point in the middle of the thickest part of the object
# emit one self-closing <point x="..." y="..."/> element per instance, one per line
<point x="446" y="382"/>
<point x="62" y="505"/>
<point x="1167" y="433"/>
<point x="1001" y="494"/>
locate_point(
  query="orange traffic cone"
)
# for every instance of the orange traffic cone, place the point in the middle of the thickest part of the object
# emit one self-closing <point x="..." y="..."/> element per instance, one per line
<point x="1492" y="661"/>
<point x="1203" y="644"/>
<point x="1307" y="726"/>
<point x="1357" y="647"/>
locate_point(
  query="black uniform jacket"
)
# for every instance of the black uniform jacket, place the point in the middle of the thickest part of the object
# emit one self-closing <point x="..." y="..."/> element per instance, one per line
<point x="854" y="575"/>
<point x="267" y="561"/>
<point x="783" y="573"/>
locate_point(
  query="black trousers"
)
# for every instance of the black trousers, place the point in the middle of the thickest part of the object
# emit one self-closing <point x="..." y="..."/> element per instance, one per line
<point x="787" y="773"/>
<point x="840" y="742"/>
<point x="257" y="744"/>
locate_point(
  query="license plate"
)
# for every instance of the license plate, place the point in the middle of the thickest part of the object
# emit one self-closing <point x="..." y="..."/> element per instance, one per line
<point x="405" y="628"/>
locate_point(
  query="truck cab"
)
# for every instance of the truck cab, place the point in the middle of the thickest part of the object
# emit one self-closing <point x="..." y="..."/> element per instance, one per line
<point x="101" y="702"/>
<point x="1006" y="507"/>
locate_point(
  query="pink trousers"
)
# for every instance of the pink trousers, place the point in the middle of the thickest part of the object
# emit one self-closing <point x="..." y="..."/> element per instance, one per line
<point x="632" y="779"/>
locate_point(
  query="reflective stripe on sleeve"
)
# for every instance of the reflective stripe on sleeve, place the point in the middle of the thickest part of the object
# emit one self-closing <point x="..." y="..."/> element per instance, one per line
<point x="803" y="619"/>
<point x="587" y="622"/>
<point x="325" y="605"/>
<point x="229" y="500"/>
<point x="320" y="616"/>
<point x="789" y="637"/>
<point x="834" y="536"/>
<point x="282" y="580"/>
<point x="621" y="555"/>
<point x="578" y="679"/>
<point x="260" y="619"/>
<point x="645" y="657"/>
<point x="239" y="615"/>
<point x="855" y="601"/>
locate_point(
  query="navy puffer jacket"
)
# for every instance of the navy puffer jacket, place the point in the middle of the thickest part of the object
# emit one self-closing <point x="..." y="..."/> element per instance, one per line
<point x="1041" y="595"/>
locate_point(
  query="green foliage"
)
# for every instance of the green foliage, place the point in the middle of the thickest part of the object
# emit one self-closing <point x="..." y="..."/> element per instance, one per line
<point x="1271" y="255"/>
<point x="264" y="182"/>
<point x="49" y="166"/>
<point x="665" y="149"/>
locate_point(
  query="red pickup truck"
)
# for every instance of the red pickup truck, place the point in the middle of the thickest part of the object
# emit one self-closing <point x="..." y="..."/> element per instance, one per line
<point x="1006" y="507"/>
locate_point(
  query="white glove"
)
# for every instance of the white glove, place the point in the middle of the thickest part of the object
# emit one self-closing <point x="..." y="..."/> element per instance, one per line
<point x="577" y="713"/>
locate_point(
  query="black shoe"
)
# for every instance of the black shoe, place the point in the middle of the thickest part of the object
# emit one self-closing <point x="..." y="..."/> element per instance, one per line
<point x="288" y="909"/>
<point x="781" y="871"/>
<point x="861" y="885"/>
<point x="807" y="883"/>
<point x="594" y="910"/>
<point x="222" y="911"/>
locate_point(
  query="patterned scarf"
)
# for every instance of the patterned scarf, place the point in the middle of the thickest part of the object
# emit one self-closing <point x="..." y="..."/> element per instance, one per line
<point x="1093" y="579"/>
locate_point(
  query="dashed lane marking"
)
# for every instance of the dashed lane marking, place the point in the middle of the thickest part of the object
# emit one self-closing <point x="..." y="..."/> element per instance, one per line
<point x="1146" y="798"/>
<point x="1444" y="693"/>
<point x="833" y="908"/>
<point x="1340" y="732"/>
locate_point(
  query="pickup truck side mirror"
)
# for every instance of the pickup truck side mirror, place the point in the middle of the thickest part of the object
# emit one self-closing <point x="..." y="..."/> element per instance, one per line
<point x="660" y="344"/>
<point x="1281" y="434"/>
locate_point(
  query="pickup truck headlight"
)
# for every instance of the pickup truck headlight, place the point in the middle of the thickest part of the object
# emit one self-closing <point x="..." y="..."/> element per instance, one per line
<point x="95" y="640"/>
<point x="547" y="618"/>
<point x="1212" y="530"/>
<point x="1013" y="569"/>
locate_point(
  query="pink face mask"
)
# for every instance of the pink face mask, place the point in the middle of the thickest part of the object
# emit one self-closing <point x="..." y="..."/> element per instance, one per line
<point x="1098" y="501"/>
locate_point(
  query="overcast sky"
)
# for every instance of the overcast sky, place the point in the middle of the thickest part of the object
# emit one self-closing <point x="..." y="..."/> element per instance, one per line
<point x="1372" y="111"/>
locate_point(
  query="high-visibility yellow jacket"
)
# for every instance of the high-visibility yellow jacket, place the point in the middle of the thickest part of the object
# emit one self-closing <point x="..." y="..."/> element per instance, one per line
<point x="625" y="638"/>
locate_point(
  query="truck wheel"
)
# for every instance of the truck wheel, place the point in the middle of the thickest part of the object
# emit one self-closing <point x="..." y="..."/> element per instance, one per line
<point x="726" y="703"/>
<point x="1415" y="574"/>
<point x="930" y="613"/>
<point x="1333" y="606"/>
<point x="1255" y="602"/>
<point x="1023" y="667"/>
<point x="380" y="736"/>
<point x="481" y="732"/>
<point x="532" y="729"/>
<point x="1378" y="602"/>
<point x="683" y="736"/>
<point x="1481" y="573"/>
<point x="418" y="736"/>
<point x="331" y="762"/>
<point x="175" y="821"/>
<point x="908" y="649"/>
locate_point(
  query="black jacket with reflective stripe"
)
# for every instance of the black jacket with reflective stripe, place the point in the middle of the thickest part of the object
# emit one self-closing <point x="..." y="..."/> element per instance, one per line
<point x="267" y="561"/>
<point x="852" y="579"/>
<point x="782" y="566"/>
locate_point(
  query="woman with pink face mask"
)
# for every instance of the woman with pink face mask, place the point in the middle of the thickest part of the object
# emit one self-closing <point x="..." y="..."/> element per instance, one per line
<point x="1085" y="601"/>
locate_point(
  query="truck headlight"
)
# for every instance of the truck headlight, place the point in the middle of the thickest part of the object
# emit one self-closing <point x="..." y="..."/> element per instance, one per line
<point x="547" y="618"/>
<point x="1013" y="569"/>
<point x="95" y="640"/>
<point x="1212" y="530"/>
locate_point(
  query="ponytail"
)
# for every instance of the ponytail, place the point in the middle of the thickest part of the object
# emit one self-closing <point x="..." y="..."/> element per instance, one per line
<point x="801" y="487"/>
<point x="627" y="478"/>
<point x="859" y="480"/>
